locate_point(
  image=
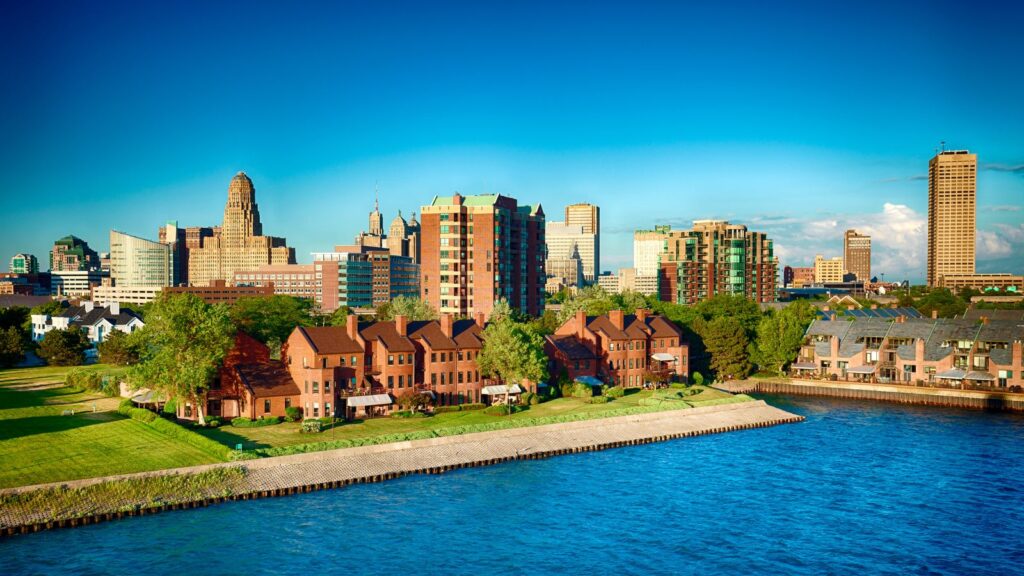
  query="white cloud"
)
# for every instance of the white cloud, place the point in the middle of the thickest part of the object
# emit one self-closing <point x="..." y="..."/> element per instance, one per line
<point x="992" y="245"/>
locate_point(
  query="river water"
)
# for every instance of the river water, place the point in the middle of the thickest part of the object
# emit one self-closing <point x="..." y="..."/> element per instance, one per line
<point x="859" y="487"/>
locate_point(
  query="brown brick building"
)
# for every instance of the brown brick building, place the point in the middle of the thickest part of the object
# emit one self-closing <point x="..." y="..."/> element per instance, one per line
<point x="218" y="292"/>
<point x="476" y="250"/>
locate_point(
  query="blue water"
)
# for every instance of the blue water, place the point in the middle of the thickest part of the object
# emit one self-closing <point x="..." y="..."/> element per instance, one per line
<point x="858" y="488"/>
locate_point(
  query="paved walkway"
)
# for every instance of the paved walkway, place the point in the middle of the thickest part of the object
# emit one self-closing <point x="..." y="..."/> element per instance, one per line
<point x="331" y="468"/>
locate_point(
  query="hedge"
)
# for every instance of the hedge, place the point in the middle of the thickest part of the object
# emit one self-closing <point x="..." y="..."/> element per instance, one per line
<point x="459" y="408"/>
<point x="500" y="424"/>
<point x="599" y="400"/>
<point x="615" y="392"/>
<point x="242" y="422"/>
<point x="168" y="428"/>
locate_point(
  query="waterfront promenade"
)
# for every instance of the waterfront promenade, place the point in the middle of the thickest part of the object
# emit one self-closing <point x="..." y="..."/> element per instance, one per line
<point x="924" y="395"/>
<point x="336" y="468"/>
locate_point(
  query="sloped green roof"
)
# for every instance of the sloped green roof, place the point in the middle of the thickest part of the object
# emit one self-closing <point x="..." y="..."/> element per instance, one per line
<point x="475" y="200"/>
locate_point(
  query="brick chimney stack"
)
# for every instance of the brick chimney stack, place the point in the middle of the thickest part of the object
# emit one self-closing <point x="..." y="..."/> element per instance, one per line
<point x="935" y="314"/>
<point x="481" y="319"/>
<point x="446" y="325"/>
<point x="617" y="318"/>
<point x="352" y="326"/>
<point x="984" y="319"/>
<point x="402" y="325"/>
<point x="641" y="315"/>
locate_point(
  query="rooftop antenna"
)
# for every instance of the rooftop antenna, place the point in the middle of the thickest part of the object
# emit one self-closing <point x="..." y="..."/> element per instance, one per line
<point x="943" y="144"/>
<point x="376" y="200"/>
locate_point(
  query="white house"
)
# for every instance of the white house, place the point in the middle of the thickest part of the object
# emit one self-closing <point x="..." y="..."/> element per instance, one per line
<point x="97" y="321"/>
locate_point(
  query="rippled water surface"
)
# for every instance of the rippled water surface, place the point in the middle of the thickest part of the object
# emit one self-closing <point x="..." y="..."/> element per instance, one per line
<point x="857" y="488"/>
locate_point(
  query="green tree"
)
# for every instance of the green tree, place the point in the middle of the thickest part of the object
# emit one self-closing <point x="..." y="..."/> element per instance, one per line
<point x="942" y="301"/>
<point x="412" y="308"/>
<point x="512" y="352"/>
<point x="629" y="301"/>
<point x="16" y="316"/>
<point x="120" y="348"/>
<point x="546" y="323"/>
<point x="779" y="336"/>
<point x="744" y="310"/>
<point x="64" y="347"/>
<point x="593" y="300"/>
<point x="340" y="316"/>
<point x="184" y="341"/>
<point x="726" y="341"/>
<point x="413" y="401"/>
<point x="500" y="311"/>
<point x="12" y="346"/>
<point x="267" y="318"/>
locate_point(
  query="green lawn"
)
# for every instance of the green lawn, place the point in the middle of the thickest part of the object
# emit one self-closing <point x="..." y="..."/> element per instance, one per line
<point x="39" y="444"/>
<point x="287" y="434"/>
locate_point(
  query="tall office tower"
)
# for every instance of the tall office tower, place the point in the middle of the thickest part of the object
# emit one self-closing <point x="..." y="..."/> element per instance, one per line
<point x="71" y="254"/>
<point x="376" y="220"/>
<point x="857" y="254"/>
<point x="562" y="241"/>
<point x="24" y="264"/>
<point x="240" y="245"/>
<point x="137" y="262"/>
<point x="181" y="242"/>
<point x="649" y="249"/>
<point x="588" y="217"/>
<point x="952" y="191"/>
<point x="715" y="257"/>
<point x="476" y="250"/>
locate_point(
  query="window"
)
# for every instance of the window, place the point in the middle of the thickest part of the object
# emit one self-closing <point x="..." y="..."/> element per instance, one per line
<point x="460" y="355"/>
<point x="266" y="406"/>
<point x="391" y="381"/>
<point x="409" y="358"/>
<point x="391" y="359"/>
<point x="327" y="409"/>
<point x="401" y="381"/>
<point x="287" y="402"/>
<point x="323" y="362"/>
<point x="316" y="409"/>
<point x="433" y="379"/>
<point x="353" y="360"/>
<point x="401" y="359"/>
<point x="327" y="386"/>
<point x="460" y="378"/>
<point x="316" y="387"/>
<point x="433" y="356"/>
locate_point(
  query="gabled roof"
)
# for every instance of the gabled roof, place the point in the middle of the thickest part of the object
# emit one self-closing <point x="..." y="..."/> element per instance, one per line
<point x="79" y="315"/>
<point x="330" y="340"/>
<point x="571" y="347"/>
<point x="386" y="334"/>
<point x="430" y="331"/>
<point x="267" y="380"/>
<point x="661" y="327"/>
<point x="466" y="334"/>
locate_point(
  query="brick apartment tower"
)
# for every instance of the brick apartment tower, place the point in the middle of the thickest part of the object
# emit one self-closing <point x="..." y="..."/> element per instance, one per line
<point x="857" y="254"/>
<point x="952" y="224"/>
<point x="476" y="250"/>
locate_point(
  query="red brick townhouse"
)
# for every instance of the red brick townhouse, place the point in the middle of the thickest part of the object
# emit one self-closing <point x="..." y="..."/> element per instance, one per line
<point x="940" y="352"/>
<point x="618" y="348"/>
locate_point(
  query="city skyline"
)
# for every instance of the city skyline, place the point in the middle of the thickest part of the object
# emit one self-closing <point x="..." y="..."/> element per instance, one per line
<point x="812" y="133"/>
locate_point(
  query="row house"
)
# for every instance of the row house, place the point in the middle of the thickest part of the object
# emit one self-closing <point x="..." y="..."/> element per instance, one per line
<point x="618" y="348"/>
<point x="942" y="352"/>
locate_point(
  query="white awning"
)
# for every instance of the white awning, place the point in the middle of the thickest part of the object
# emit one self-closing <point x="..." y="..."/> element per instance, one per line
<point x="371" y="400"/>
<point x="861" y="370"/>
<point x="804" y="366"/>
<point x="978" y="375"/>
<point x="515" y="389"/>
<point x="663" y="357"/>
<point x="148" y="397"/>
<point x="952" y="374"/>
<point x="494" y="390"/>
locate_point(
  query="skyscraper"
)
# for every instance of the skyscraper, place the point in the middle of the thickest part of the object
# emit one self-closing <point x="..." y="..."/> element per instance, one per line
<point x="857" y="254"/>
<point x="24" y="264"/>
<point x="562" y="241"/>
<point x="72" y="254"/>
<point x="137" y="262"/>
<point x="478" y="249"/>
<point x="952" y="192"/>
<point x="240" y="245"/>
<point x="588" y="217"/>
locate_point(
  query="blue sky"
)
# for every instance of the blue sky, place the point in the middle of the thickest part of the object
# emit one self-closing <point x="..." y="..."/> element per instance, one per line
<point x="797" y="118"/>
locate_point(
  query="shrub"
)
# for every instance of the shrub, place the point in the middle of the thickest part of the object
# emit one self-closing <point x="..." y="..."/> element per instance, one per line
<point x="565" y="390"/>
<point x="581" y="390"/>
<point x="526" y="398"/>
<point x="534" y="400"/>
<point x="697" y="378"/>
<point x="292" y="413"/>
<point x="473" y="406"/>
<point x="503" y="409"/>
<point x="236" y="455"/>
<point x="677" y="386"/>
<point x="833" y="377"/>
<point x="444" y="409"/>
<point x="311" y="426"/>
<point x="242" y="422"/>
<point x="64" y="347"/>
<point x="615" y="392"/>
<point x="211" y="422"/>
<point x="171" y="407"/>
<point x="599" y="400"/>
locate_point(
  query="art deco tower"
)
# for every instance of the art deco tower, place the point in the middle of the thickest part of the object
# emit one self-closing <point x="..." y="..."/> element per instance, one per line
<point x="952" y="193"/>
<point x="241" y="215"/>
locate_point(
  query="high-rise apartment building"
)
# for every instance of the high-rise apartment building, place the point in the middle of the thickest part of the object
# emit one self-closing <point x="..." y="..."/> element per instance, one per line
<point x="649" y="248"/>
<point x="137" y="262"/>
<point x="857" y="254"/>
<point x="72" y="254"/>
<point x="828" y="270"/>
<point x="563" y="241"/>
<point x="479" y="249"/>
<point x="240" y="245"/>
<point x="952" y="192"/>
<point x="716" y="257"/>
<point x="24" y="264"/>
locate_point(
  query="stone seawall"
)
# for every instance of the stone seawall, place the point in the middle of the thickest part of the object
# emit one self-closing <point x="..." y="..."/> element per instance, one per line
<point x="954" y="398"/>
<point x="337" y="468"/>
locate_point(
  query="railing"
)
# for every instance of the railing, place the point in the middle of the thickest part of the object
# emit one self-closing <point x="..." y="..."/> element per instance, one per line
<point x="366" y="391"/>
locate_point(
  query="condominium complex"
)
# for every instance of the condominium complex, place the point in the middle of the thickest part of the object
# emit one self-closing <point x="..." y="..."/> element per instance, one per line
<point x="240" y="245"/>
<point x="828" y="270"/>
<point x="714" y="257"/>
<point x="479" y="249"/>
<point x="857" y="254"/>
<point x="24" y="264"/>
<point x="952" y="192"/>
<point x="137" y="262"/>
<point x="71" y="253"/>
<point x="649" y="247"/>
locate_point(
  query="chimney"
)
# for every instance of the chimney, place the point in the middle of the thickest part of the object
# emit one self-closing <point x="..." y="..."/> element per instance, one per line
<point x="851" y="307"/>
<point x="832" y="316"/>
<point x="833" y="347"/>
<point x="402" y="325"/>
<point x="894" y="305"/>
<point x="457" y="199"/>
<point x="825" y="308"/>
<point x="919" y="351"/>
<point x="352" y="326"/>
<point x="88" y="305"/>
<point x="901" y="319"/>
<point x="481" y="319"/>
<point x="935" y="314"/>
<point x="115" y="308"/>
<point x="446" y="325"/>
<point x="874" y="306"/>
<point x="984" y="319"/>
<point x="641" y="315"/>
<point x="617" y="318"/>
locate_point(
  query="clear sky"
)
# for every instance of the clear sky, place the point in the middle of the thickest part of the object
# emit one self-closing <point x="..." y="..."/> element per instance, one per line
<point x="800" y="119"/>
